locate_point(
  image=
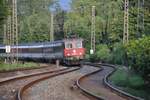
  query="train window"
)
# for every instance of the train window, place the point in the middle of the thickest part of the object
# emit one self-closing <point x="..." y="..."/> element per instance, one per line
<point x="68" y="45"/>
<point x="2" y="50"/>
<point x="79" y="44"/>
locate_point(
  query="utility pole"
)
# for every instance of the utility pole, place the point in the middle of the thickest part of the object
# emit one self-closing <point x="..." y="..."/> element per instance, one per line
<point x="143" y="9"/>
<point x="11" y="30"/>
<point x="8" y="38"/>
<point x="15" y="26"/>
<point x="7" y="31"/>
<point x="52" y="28"/>
<point x="93" y="31"/>
<point x="126" y="22"/>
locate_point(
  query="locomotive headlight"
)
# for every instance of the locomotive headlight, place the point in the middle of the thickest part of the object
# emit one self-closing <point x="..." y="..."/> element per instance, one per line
<point x="68" y="54"/>
<point x="74" y="51"/>
<point x="80" y="53"/>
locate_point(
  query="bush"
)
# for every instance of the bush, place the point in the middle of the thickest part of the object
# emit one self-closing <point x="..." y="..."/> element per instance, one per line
<point x="138" y="52"/>
<point x="93" y="58"/>
<point x="118" y="54"/>
<point x="119" y="78"/>
<point x="136" y="82"/>
<point x="103" y="53"/>
<point x="124" y="79"/>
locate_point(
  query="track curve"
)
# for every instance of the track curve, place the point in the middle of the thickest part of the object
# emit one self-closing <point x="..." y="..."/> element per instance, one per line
<point x="25" y="87"/>
<point x="10" y="87"/>
<point x="116" y="90"/>
<point x="93" y="85"/>
<point x="5" y="80"/>
<point x="61" y="87"/>
<point x="96" y="82"/>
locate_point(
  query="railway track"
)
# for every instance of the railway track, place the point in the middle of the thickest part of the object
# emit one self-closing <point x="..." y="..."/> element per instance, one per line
<point x="10" y="87"/>
<point x="32" y="83"/>
<point x="93" y="82"/>
<point x="97" y="85"/>
<point x="7" y="76"/>
<point x="56" y="87"/>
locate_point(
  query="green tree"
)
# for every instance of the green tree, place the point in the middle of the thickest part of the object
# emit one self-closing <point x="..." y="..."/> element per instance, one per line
<point x="3" y="11"/>
<point x="35" y="28"/>
<point x="109" y="20"/>
<point x="103" y="53"/>
<point x="3" y="16"/>
<point x="34" y="20"/>
<point x="138" y="52"/>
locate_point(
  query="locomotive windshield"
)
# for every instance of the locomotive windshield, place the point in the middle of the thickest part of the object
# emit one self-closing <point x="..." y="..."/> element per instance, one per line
<point x="79" y="44"/>
<point x="69" y="45"/>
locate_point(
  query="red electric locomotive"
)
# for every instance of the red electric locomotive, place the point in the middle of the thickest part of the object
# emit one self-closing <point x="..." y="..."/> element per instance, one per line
<point x="73" y="51"/>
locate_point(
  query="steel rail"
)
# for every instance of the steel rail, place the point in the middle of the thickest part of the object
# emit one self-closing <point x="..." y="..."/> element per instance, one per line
<point x="116" y="90"/>
<point x="25" y="87"/>
<point x="106" y="83"/>
<point x="30" y="75"/>
<point x="87" y="91"/>
<point x="23" y="69"/>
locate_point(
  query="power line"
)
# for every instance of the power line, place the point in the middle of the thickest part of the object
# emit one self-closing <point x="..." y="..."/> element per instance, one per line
<point x="140" y="17"/>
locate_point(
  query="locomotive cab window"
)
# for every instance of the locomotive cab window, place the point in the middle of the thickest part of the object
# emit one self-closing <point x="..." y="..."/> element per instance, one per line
<point x="69" y="45"/>
<point x="79" y="44"/>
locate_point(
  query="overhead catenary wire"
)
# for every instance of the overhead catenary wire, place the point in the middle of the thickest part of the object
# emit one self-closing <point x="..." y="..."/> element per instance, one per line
<point x="140" y="18"/>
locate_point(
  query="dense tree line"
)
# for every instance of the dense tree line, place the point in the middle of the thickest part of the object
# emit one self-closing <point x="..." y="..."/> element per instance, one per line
<point x="3" y="15"/>
<point x="34" y="20"/>
<point x="109" y="31"/>
<point x="3" y="11"/>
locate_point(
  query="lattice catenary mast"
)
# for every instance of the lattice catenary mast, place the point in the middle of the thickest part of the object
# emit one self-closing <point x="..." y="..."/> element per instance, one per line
<point x="15" y="26"/>
<point x="126" y="22"/>
<point x="52" y="28"/>
<point x="11" y="28"/>
<point x="93" y="31"/>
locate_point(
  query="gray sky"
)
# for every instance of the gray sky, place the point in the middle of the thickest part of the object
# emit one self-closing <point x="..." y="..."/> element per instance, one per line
<point x="65" y="4"/>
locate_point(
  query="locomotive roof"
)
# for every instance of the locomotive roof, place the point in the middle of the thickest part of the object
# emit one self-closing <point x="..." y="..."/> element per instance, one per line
<point x="73" y="39"/>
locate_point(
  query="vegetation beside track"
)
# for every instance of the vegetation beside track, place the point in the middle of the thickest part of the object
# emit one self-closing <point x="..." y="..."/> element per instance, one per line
<point x="130" y="82"/>
<point x="14" y="66"/>
<point x="135" y="54"/>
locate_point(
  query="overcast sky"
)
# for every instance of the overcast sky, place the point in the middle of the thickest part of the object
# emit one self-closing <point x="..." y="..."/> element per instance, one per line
<point x="65" y="4"/>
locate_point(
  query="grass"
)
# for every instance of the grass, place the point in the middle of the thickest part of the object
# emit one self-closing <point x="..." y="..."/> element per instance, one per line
<point x="8" y="67"/>
<point x="130" y="82"/>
